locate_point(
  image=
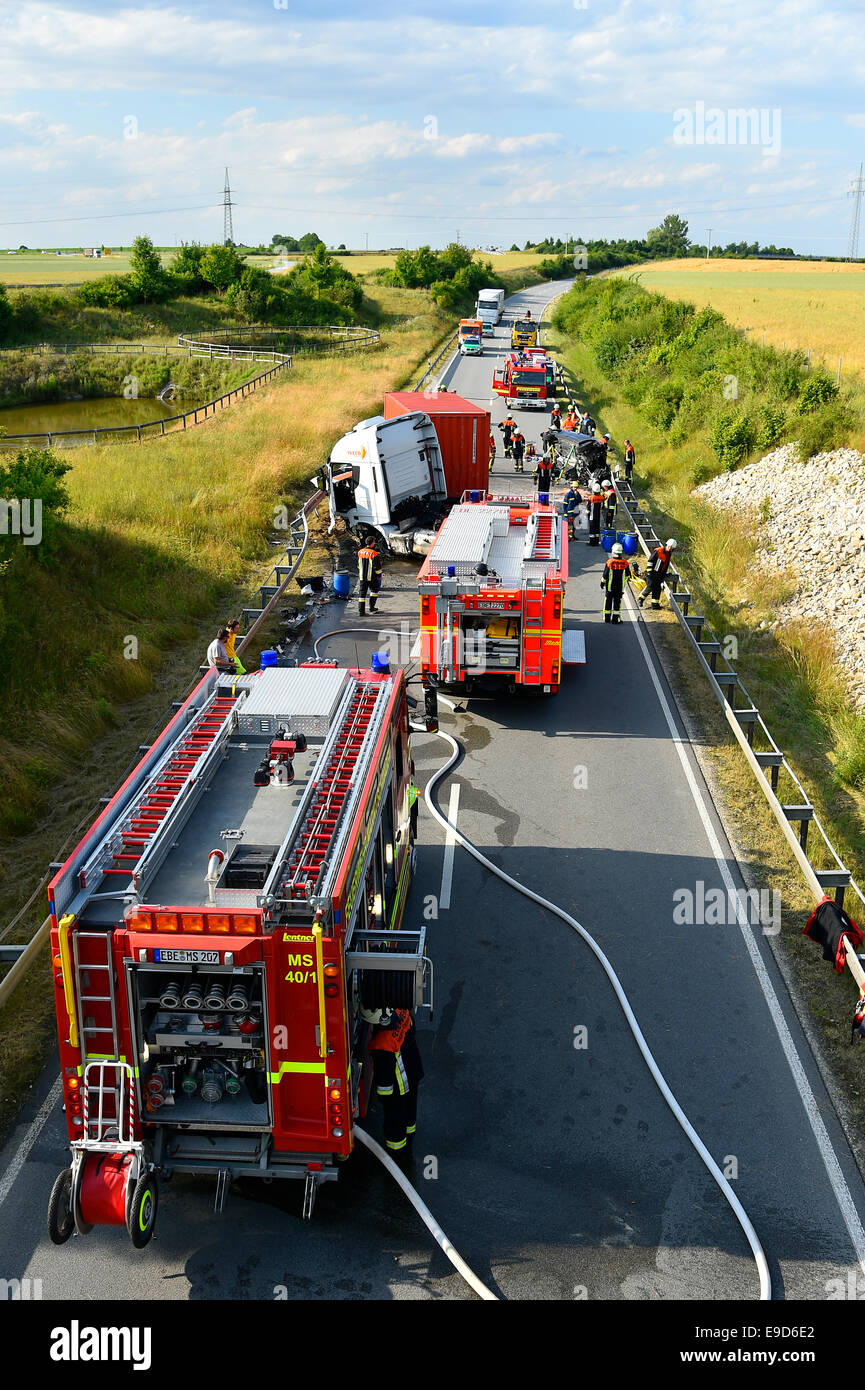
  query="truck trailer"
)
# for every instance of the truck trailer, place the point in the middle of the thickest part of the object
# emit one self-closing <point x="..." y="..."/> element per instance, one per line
<point x="216" y="933"/>
<point x="492" y="592"/>
<point x="395" y="475"/>
<point x="489" y="308"/>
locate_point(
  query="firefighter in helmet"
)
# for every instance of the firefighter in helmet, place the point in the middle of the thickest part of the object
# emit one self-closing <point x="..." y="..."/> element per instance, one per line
<point x="595" y="504"/>
<point x="368" y="575"/>
<point x="616" y="571"/>
<point x="610" y="503"/>
<point x="397" y="1072"/>
<point x="656" y="570"/>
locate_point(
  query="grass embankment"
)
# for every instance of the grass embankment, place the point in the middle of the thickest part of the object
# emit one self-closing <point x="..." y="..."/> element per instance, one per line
<point x="797" y="304"/>
<point x="666" y="352"/>
<point x="162" y="540"/>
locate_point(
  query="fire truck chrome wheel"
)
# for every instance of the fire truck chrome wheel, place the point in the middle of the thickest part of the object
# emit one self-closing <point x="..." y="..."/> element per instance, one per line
<point x="142" y="1210"/>
<point x="61" y="1222"/>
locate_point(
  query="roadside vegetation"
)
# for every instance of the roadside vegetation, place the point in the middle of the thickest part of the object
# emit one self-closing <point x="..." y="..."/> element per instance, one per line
<point x="318" y="290"/>
<point x="656" y="372"/>
<point x="30" y="378"/>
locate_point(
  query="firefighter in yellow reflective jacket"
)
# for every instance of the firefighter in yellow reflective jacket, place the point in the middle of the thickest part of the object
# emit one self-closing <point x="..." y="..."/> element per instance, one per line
<point x="413" y="794"/>
<point x="369" y="577"/>
<point x="397" y="1072"/>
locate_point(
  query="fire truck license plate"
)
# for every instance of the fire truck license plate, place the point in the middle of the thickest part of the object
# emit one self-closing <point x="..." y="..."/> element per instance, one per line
<point x="187" y="957"/>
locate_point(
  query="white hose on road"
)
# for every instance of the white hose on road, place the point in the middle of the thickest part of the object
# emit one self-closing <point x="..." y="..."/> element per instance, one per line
<point x="738" y="1210"/>
<point x="427" y="1217"/>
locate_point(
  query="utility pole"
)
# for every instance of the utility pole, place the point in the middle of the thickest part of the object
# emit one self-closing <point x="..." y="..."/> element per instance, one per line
<point x="709" y="242"/>
<point x="227" y="205"/>
<point x="856" y="194"/>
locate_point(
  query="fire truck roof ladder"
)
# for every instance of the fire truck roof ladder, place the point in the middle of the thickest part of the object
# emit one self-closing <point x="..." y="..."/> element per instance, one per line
<point x="132" y="847"/>
<point x="307" y="858"/>
<point x="541" y="537"/>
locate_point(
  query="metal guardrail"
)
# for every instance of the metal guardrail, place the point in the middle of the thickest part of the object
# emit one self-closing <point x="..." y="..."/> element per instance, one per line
<point x="340" y="341"/>
<point x="433" y="362"/>
<point x="748" y="726"/>
<point x="749" y="730"/>
<point x="283" y="573"/>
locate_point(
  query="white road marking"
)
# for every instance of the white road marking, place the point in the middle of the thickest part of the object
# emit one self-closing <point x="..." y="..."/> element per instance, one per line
<point x="842" y="1192"/>
<point x="11" y="1175"/>
<point x="450" y="842"/>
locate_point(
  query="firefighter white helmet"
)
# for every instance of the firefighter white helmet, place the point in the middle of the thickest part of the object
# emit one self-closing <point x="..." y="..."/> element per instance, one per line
<point x="377" y="1017"/>
<point x="608" y="482"/>
<point x="671" y="544"/>
<point x="617" y="551"/>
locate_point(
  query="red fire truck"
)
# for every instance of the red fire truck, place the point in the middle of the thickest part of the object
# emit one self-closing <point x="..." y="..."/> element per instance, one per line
<point x="527" y="382"/>
<point x="215" y="934"/>
<point x="492" y="591"/>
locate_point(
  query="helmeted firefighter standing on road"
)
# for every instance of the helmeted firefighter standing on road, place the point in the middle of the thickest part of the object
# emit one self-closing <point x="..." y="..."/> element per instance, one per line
<point x="397" y="1072"/>
<point x="571" y="508"/>
<point x="656" y="569"/>
<point x="508" y="426"/>
<point x="616" y="571"/>
<point x="595" y="504"/>
<point x="369" y="577"/>
<point x="610" y="503"/>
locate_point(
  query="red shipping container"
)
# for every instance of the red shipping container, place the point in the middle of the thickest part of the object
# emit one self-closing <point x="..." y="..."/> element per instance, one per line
<point x="463" y="430"/>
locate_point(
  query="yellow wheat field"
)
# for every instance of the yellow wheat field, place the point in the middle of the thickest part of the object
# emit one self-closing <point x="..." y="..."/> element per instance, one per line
<point x="800" y="304"/>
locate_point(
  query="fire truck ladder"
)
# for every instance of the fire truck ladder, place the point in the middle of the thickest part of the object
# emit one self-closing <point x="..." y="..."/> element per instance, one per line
<point x="542" y="537"/>
<point x="533" y="616"/>
<point x="335" y="790"/>
<point x="95" y="1000"/>
<point x="120" y="858"/>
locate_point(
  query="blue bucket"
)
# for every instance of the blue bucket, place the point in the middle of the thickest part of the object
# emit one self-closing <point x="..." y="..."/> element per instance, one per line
<point x="629" y="543"/>
<point x="608" y="539"/>
<point x="268" y="658"/>
<point x="341" y="583"/>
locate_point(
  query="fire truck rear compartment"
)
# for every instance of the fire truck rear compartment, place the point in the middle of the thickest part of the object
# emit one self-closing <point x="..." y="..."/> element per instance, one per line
<point x="200" y="1044"/>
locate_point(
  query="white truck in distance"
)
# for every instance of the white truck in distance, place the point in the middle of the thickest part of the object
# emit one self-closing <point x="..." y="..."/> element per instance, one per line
<point x="490" y="307"/>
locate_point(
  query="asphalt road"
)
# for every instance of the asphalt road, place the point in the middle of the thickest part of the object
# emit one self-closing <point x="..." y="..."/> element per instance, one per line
<point x="556" y="1170"/>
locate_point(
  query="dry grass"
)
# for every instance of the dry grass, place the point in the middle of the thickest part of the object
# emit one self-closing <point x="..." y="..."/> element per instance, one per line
<point x="800" y="304"/>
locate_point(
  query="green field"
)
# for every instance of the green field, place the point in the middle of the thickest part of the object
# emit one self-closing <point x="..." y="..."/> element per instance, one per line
<point x="796" y="304"/>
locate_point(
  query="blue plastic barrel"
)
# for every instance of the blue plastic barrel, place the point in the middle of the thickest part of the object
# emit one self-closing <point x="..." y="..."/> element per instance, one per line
<point x="608" y="539"/>
<point x="341" y="583"/>
<point x="268" y="658"/>
<point x="629" y="543"/>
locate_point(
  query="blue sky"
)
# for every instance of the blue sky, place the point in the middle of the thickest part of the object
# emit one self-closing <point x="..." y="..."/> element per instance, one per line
<point x="407" y="124"/>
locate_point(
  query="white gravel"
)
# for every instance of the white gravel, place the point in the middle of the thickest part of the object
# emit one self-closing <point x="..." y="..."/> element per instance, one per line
<point x="816" y="534"/>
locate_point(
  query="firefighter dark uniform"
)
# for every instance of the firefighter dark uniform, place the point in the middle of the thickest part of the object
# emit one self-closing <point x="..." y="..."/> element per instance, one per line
<point x="397" y="1072"/>
<point x="369" y="578"/>
<point x="543" y="475"/>
<point x="610" y="507"/>
<point x="572" y="510"/>
<point x="518" y="443"/>
<point x="492" y="451"/>
<point x="595" y="503"/>
<point x="613" y="583"/>
<point x="507" y="426"/>
<point x="630" y="460"/>
<point x="656" y="568"/>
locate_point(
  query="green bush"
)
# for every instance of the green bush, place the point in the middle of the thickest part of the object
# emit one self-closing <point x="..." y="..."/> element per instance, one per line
<point x="732" y="438"/>
<point x="662" y="403"/>
<point x="825" y="428"/>
<point x="817" y="390"/>
<point x="771" y="425"/>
